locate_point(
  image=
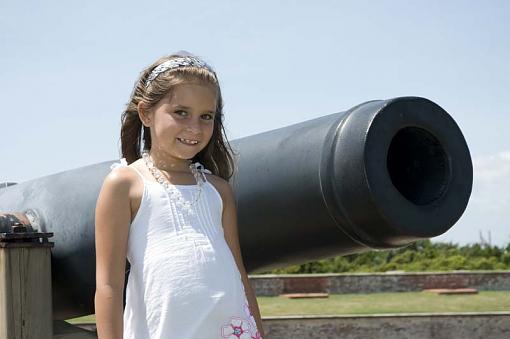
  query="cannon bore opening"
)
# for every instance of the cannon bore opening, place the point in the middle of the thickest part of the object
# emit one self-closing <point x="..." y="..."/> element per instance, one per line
<point x="418" y="165"/>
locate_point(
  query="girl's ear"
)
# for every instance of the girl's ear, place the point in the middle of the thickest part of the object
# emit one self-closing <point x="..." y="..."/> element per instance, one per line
<point x="144" y="114"/>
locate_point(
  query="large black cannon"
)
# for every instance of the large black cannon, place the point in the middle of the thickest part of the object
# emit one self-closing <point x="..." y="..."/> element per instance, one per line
<point x="380" y="175"/>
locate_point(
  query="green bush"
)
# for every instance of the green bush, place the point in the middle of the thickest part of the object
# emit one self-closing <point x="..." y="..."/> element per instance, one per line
<point x="422" y="255"/>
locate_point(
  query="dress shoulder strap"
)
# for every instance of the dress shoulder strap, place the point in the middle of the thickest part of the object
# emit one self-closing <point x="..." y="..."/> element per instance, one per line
<point x="202" y="170"/>
<point x="122" y="162"/>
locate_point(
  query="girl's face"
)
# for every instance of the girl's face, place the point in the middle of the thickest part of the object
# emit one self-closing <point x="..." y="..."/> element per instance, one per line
<point x="182" y="123"/>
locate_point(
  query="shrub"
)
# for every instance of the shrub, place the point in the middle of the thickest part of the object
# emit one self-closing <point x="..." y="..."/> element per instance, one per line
<point x="421" y="255"/>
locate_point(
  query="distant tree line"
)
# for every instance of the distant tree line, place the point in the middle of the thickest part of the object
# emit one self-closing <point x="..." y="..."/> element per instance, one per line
<point x="422" y="255"/>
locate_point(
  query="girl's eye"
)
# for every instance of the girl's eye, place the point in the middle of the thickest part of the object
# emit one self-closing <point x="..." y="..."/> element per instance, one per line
<point x="183" y="114"/>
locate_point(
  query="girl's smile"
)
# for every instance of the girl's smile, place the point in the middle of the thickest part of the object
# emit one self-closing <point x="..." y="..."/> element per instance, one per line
<point x="188" y="142"/>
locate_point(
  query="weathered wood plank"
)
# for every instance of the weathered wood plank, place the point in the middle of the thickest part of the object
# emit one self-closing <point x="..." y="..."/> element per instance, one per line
<point x="25" y="293"/>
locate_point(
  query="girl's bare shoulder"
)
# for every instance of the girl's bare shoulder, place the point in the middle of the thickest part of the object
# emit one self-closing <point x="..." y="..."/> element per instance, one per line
<point x="222" y="186"/>
<point x="217" y="181"/>
<point x="122" y="179"/>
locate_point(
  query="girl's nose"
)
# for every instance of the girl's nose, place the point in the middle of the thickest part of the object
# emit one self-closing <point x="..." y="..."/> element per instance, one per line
<point x="193" y="126"/>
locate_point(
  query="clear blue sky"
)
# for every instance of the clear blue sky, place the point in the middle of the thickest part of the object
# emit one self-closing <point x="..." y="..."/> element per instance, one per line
<point x="68" y="68"/>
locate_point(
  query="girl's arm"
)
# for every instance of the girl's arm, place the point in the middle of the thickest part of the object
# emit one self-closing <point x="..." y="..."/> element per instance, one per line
<point x="232" y="238"/>
<point x="113" y="217"/>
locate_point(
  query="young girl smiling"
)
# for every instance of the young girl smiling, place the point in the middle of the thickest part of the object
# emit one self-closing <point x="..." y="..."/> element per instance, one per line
<point x="173" y="219"/>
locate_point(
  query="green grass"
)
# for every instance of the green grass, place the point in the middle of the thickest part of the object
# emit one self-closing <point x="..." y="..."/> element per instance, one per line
<point x="376" y="303"/>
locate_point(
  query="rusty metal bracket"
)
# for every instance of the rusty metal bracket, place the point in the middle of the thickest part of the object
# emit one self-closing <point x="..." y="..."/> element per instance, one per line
<point x="19" y="234"/>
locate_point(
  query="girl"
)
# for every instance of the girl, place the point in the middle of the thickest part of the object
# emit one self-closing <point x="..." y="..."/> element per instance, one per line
<point x="171" y="218"/>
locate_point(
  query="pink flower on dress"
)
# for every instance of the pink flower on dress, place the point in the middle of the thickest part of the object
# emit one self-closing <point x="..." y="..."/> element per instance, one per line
<point x="237" y="329"/>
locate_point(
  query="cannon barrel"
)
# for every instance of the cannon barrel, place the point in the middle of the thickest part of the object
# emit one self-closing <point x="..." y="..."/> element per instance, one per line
<point x="380" y="175"/>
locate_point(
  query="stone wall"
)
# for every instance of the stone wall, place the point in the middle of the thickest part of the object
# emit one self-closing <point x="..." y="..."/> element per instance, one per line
<point x="273" y="285"/>
<point x="494" y="325"/>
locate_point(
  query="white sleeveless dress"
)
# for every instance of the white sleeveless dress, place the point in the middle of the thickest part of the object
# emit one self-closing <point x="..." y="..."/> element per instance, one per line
<point x="184" y="282"/>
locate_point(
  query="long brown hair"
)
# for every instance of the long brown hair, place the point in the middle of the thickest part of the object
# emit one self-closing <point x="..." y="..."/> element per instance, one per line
<point x="216" y="156"/>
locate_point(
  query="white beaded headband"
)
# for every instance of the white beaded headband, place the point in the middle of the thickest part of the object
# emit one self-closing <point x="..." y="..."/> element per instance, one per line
<point x="176" y="63"/>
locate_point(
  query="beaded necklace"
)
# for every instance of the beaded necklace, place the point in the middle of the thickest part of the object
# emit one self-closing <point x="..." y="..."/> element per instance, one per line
<point x="174" y="193"/>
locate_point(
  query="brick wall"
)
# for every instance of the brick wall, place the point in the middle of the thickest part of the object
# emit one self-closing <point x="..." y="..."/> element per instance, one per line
<point x="273" y="285"/>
